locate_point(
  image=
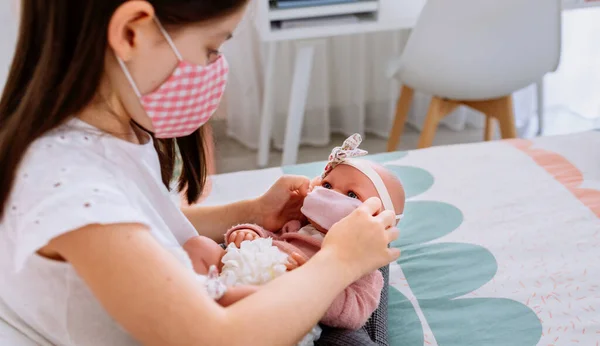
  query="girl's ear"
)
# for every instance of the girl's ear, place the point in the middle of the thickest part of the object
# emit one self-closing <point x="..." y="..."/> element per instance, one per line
<point x="130" y="27"/>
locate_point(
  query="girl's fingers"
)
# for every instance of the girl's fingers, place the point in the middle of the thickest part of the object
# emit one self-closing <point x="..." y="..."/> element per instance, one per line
<point x="304" y="187"/>
<point x="393" y="254"/>
<point x="387" y="218"/>
<point x="296" y="183"/>
<point x="315" y="182"/>
<point x="392" y="234"/>
<point x="371" y="206"/>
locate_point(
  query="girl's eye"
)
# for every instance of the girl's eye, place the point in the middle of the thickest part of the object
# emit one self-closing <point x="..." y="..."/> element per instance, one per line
<point x="327" y="185"/>
<point x="351" y="194"/>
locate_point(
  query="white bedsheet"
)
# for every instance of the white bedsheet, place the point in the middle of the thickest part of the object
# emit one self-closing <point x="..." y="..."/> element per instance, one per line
<point x="501" y="241"/>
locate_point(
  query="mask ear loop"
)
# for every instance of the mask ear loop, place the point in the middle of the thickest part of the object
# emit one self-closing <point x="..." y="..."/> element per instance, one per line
<point x="129" y="77"/>
<point x="169" y="39"/>
<point x="126" y="70"/>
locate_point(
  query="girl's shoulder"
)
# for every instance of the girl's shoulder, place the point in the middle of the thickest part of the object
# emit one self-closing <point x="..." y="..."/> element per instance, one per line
<point x="62" y="157"/>
<point x="76" y="154"/>
<point x="65" y="182"/>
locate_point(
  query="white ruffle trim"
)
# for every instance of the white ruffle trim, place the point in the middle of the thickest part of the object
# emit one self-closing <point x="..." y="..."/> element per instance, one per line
<point x="215" y="288"/>
<point x="310" y="338"/>
<point x="256" y="263"/>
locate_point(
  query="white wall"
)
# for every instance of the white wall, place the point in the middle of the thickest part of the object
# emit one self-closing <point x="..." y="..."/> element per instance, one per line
<point x="576" y="84"/>
<point x="8" y="36"/>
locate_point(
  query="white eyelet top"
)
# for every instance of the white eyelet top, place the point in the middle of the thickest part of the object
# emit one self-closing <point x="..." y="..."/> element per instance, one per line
<point x="73" y="177"/>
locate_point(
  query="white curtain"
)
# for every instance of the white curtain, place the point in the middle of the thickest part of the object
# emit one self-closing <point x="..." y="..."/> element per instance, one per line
<point x="338" y="98"/>
<point x="349" y="91"/>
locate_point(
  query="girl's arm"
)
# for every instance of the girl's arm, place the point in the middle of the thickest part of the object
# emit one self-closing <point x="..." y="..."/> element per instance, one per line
<point x="280" y="204"/>
<point x="212" y="221"/>
<point x="159" y="301"/>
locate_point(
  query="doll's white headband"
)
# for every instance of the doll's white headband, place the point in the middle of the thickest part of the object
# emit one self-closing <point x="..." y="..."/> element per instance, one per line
<point x="346" y="155"/>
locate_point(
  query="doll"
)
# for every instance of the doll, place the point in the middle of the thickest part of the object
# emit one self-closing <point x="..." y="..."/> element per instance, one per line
<point x="346" y="183"/>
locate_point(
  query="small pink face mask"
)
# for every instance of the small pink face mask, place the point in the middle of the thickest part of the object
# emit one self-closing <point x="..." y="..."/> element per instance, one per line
<point x="327" y="207"/>
<point x="187" y="99"/>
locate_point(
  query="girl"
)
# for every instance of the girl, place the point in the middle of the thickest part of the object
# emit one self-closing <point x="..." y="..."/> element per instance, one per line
<point x="99" y="96"/>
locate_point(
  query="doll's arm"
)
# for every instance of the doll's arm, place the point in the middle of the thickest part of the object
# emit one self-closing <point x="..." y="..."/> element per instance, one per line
<point x="290" y="227"/>
<point x="254" y="230"/>
<point x="353" y="307"/>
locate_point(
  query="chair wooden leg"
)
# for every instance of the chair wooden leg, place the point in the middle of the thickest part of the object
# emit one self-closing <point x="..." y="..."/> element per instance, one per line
<point x="489" y="128"/>
<point x="502" y="110"/>
<point x="402" y="108"/>
<point x="506" y="118"/>
<point x="438" y="109"/>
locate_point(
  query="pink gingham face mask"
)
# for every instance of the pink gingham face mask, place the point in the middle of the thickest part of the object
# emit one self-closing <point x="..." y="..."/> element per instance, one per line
<point x="187" y="99"/>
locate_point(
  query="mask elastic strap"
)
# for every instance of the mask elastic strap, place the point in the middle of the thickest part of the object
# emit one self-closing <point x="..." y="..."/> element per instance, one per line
<point x="169" y="39"/>
<point x="129" y="77"/>
<point x="126" y="70"/>
<point x="368" y="170"/>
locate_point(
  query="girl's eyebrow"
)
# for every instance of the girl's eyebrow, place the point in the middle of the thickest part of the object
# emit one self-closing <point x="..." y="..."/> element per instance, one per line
<point x="228" y="35"/>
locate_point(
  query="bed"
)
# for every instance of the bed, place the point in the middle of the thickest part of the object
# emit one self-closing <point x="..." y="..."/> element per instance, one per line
<point x="500" y="243"/>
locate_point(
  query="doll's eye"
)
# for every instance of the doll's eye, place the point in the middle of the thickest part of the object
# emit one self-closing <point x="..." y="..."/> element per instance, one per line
<point x="351" y="194"/>
<point x="327" y="185"/>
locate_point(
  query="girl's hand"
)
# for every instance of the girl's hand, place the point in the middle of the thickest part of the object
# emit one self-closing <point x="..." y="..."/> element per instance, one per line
<point x="315" y="182"/>
<point x="240" y="236"/>
<point x="295" y="261"/>
<point x="360" y="241"/>
<point x="282" y="202"/>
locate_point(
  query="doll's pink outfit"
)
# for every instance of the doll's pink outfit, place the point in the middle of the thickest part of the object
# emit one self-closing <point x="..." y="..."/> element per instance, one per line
<point x="353" y="307"/>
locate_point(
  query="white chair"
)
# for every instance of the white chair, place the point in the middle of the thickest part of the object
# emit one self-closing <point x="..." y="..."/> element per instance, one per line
<point x="476" y="53"/>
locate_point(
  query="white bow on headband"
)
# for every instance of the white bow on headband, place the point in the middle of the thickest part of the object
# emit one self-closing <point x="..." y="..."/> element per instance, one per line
<point x="345" y="155"/>
<point x="348" y="150"/>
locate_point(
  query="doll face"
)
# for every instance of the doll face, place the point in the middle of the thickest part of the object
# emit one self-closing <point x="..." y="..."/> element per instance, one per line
<point x="351" y="182"/>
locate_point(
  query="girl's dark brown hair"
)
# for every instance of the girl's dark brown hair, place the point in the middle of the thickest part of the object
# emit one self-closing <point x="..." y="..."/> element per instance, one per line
<point x="56" y="73"/>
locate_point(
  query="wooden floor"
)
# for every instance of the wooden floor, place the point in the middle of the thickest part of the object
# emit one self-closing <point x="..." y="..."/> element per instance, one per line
<point x="234" y="157"/>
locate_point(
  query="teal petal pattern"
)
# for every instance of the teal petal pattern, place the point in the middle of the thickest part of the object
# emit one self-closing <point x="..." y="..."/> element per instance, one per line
<point x="387" y="157"/>
<point x="316" y="168"/>
<point x="415" y="180"/>
<point x="310" y="170"/>
<point x="450" y="274"/>
<point x="440" y="274"/>
<point x="406" y="327"/>
<point x="425" y="221"/>
<point x="480" y="321"/>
